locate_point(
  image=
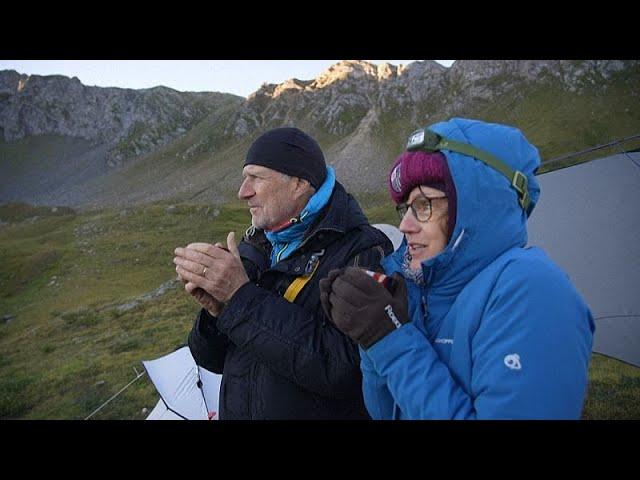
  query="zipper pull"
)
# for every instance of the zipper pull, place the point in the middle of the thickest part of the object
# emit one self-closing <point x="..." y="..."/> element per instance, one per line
<point x="313" y="261"/>
<point x="425" y="308"/>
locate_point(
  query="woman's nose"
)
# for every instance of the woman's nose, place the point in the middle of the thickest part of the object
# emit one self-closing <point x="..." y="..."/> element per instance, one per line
<point x="408" y="223"/>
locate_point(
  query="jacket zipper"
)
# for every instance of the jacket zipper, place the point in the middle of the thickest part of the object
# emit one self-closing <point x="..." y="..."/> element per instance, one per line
<point x="250" y="395"/>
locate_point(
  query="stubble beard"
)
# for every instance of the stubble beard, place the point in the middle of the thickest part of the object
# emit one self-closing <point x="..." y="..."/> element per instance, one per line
<point x="256" y="222"/>
<point x="277" y="214"/>
<point x="261" y="222"/>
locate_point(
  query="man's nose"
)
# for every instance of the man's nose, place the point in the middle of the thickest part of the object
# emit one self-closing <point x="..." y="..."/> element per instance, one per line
<point x="245" y="190"/>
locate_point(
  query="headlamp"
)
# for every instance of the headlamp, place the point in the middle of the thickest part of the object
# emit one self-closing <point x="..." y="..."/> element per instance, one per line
<point x="423" y="139"/>
<point x="429" y="141"/>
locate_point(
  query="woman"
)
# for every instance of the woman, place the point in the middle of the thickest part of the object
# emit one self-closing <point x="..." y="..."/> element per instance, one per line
<point x="473" y="325"/>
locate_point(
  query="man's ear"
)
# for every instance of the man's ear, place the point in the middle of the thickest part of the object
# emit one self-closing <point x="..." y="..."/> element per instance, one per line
<point x="303" y="187"/>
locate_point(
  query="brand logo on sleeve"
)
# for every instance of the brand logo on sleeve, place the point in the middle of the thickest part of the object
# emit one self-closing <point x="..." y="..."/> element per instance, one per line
<point x="513" y="361"/>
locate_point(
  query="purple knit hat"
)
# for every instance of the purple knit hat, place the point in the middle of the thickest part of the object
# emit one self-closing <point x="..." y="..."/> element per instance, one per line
<point x="421" y="168"/>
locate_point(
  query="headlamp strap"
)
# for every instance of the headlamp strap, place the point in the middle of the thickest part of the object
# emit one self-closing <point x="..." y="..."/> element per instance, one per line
<point x="426" y="141"/>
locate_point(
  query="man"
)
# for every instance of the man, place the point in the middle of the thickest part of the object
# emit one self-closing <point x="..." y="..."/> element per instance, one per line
<point x="262" y="325"/>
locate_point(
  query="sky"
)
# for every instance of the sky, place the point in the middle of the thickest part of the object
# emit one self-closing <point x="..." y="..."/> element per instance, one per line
<point x="240" y="77"/>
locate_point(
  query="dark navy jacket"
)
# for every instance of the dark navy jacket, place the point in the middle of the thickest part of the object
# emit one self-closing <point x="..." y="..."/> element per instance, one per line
<point x="283" y="360"/>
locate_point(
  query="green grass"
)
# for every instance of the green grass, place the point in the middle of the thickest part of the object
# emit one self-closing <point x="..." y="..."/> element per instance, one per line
<point x="558" y="122"/>
<point x="69" y="348"/>
<point x="614" y="390"/>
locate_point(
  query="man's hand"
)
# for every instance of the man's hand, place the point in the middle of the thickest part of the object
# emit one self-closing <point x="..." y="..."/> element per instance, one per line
<point x="214" y="269"/>
<point x="205" y="300"/>
<point x="213" y="306"/>
<point x="362" y="308"/>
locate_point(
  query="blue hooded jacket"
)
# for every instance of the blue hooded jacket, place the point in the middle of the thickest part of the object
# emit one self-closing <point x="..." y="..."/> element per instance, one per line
<point x="498" y="331"/>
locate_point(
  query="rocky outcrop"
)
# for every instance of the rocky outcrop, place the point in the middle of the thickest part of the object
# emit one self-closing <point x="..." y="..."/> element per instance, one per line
<point x="130" y="122"/>
<point x="355" y="105"/>
<point x="340" y="97"/>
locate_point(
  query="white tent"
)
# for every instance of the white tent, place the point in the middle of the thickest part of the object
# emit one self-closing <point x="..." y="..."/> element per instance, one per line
<point x="395" y="235"/>
<point x="187" y="391"/>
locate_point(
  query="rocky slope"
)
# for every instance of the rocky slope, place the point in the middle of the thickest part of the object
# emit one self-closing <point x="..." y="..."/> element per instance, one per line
<point x="129" y="122"/>
<point x="159" y="143"/>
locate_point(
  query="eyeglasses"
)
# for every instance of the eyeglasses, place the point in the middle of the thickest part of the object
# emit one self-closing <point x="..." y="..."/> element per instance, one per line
<point x="421" y="207"/>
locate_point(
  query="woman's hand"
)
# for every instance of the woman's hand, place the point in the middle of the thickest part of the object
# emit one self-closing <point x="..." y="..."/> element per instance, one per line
<point x="362" y="308"/>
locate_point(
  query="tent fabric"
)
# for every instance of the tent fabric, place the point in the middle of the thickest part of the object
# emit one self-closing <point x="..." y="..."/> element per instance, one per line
<point x="186" y="390"/>
<point x="587" y="220"/>
<point x="620" y="338"/>
<point x="161" y="412"/>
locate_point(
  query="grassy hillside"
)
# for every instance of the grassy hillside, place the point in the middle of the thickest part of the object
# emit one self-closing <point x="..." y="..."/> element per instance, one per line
<point x="69" y="347"/>
<point x="200" y="166"/>
<point x="70" y="281"/>
<point x="47" y="169"/>
<point x="559" y="122"/>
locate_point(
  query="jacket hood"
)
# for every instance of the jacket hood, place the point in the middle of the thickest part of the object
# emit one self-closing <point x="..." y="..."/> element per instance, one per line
<point x="490" y="220"/>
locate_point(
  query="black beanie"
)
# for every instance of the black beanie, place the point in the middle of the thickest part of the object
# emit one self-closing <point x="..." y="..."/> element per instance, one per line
<point x="289" y="151"/>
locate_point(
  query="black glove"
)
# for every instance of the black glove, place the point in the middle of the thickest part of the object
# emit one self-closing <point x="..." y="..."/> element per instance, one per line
<point x="362" y="308"/>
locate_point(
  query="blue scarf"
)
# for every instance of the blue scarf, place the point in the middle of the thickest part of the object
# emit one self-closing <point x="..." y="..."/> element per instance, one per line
<point x="286" y="241"/>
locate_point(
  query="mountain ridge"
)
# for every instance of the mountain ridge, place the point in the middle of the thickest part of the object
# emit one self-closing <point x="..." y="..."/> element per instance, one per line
<point x="190" y="145"/>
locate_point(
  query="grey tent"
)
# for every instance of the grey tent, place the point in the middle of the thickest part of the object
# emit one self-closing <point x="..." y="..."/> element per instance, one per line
<point x="588" y="222"/>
